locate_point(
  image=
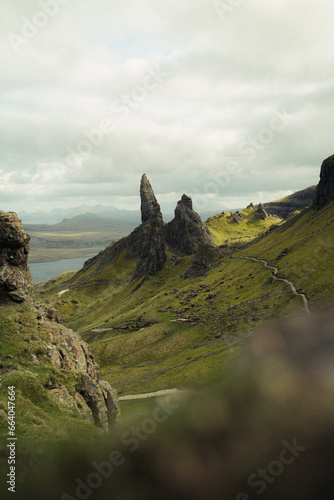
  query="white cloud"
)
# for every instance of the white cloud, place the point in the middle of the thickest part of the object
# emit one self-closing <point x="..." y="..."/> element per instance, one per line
<point x="220" y="83"/>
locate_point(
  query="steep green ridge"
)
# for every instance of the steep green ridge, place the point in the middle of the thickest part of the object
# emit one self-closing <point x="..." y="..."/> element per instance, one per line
<point x="289" y="204"/>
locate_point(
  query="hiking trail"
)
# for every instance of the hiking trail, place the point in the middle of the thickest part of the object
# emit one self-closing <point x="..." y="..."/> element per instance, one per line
<point x="291" y="285"/>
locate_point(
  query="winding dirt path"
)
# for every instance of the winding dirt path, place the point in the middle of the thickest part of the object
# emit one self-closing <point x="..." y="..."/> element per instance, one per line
<point x="289" y="283"/>
<point x="166" y="392"/>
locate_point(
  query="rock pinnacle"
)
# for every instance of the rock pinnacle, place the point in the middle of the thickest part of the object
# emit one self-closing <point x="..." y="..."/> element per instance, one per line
<point x="150" y="208"/>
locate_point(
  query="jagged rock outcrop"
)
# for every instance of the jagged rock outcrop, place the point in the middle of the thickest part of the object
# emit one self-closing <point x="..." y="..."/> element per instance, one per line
<point x="187" y="233"/>
<point x="260" y="212"/>
<point x="238" y="217"/>
<point x="95" y="398"/>
<point x="325" y="190"/>
<point x="15" y="277"/>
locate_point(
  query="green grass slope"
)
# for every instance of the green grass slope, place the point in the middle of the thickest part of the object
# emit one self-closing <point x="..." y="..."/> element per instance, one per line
<point x="231" y="230"/>
<point x="303" y="250"/>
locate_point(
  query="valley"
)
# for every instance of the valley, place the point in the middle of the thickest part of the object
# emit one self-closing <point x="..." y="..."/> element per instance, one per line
<point x="184" y="326"/>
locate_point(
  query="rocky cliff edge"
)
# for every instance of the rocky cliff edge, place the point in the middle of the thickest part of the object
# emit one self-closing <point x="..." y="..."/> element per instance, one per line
<point x="64" y="349"/>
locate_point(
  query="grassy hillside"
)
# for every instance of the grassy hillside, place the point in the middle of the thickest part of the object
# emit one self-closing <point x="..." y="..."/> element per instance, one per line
<point x="303" y="250"/>
<point x="233" y="229"/>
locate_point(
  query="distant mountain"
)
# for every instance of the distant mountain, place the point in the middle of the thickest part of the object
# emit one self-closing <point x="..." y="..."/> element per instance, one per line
<point x="86" y="222"/>
<point x="82" y="231"/>
<point x="57" y="215"/>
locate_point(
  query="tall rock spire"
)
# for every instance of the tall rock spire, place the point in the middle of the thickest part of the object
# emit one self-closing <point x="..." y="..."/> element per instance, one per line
<point x="153" y="254"/>
<point x="150" y="208"/>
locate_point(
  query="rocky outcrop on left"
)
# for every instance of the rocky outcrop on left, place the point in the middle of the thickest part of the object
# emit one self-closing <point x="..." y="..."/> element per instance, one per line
<point x="95" y="398"/>
<point x="65" y="349"/>
<point x="15" y="277"/>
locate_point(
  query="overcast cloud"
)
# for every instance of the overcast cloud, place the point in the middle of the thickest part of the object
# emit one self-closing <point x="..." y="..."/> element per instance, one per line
<point x="228" y="101"/>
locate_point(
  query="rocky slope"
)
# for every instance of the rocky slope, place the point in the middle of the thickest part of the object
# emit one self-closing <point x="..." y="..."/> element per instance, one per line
<point x="56" y="347"/>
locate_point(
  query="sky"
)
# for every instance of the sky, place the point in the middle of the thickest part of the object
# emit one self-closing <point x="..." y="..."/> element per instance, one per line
<point x="230" y="102"/>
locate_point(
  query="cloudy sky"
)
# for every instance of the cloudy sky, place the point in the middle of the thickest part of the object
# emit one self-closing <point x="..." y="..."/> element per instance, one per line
<point x="228" y="101"/>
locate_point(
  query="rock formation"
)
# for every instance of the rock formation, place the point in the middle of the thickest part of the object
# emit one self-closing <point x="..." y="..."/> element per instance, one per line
<point x="187" y="233"/>
<point x="15" y="277"/>
<point x="325" y="189"/>
<point x="237" y="217"/>
<point x="149" y="205"/>
<point x="260" y="212"/>
<point x="152" y="254"/>
<point x="95" y="398"/>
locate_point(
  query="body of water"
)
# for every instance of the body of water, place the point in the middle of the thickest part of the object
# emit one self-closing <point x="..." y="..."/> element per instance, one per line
<point x="41" y="271"/>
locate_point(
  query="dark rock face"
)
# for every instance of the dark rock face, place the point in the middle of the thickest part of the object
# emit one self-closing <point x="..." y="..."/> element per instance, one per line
<point x="15" y="276"/>
<point x="153" y="248"/>
<point x="152" y="240"/>
<point x="149" y="205"/>
<point x="187" y="233"/>
<point x="261" y="213"/>
<point x="325" y="189"/>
